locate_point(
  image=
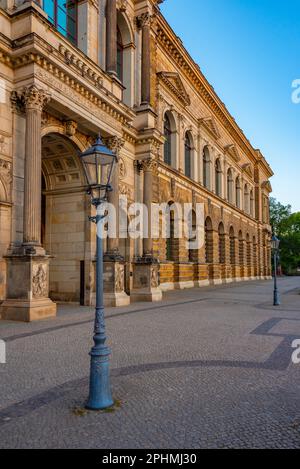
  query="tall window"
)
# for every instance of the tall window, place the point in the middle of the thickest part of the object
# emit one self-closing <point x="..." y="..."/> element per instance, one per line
<point x="229" y="186"/>
<point x="63" y="15"/>
<point x="209" y="241"/>
<point x="218" y="176"/>
<point x="221" y="244"/>
<point x="168" y="141"/>
<point x="246" y="199"/>
<point x="241" y="248"/>
<point x="252" y="204"/>
<point x="206" y="168"/>
<point x="119" y="55"/>
<point x="238" y="192"/>
<point x="232" y="246"/>
<point x="187" y="156"/>
<point x="170" y="241"/>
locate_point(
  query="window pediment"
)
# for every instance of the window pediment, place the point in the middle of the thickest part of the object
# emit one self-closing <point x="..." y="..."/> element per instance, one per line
<point x="174" y="83"/>
<point x="232" y="151"/>
<point x="209" y="124"/>
<point x="267" y="186"/>
<point x="247" y="168"/>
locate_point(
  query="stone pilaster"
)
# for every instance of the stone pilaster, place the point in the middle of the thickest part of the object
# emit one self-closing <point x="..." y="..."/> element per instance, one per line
<point x="111" y="37"/>
<point x="115" y="144"/>
<point x="144" y="22"/>
<point x="148" y="166"/>
<point x="114" y="264"/>
<point x="146" y="269"/>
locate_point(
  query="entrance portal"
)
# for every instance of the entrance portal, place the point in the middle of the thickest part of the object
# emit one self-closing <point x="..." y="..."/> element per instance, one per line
<point x="63" y="217"/>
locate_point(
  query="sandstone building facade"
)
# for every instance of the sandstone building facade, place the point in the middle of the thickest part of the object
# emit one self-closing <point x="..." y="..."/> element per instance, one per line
<point x="72" y="69"/>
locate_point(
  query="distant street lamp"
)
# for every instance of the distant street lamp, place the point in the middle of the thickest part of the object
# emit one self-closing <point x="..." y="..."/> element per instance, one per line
<point x="275" y="247"/>
<point x="99" y="162"/>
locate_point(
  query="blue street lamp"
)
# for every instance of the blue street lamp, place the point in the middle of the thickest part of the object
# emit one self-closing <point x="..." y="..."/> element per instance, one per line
<point x="275" y="247"/>
<point x="99" y="162"/>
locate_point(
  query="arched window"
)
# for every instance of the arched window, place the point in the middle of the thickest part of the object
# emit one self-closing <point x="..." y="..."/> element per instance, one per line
<point x="192" y="236"/>
<point x="255" y="260"/>
<point x="218" y="177"/>
<point x="252" y="204"/>
<point x="238" y="192"/>
<point x="241" y="249"/>
<point x="172" y="234"/>
<point x="206" y="168"/>
<point x="188" y="155"/>
<point x="120" y="49"/>
<point x="246" y="199"/>
<point x="209" y="242"/>
<point x="229" y="186"/>
<point x="232" y="246"/>
<point x="63" y="15"/>
<point x="248" y="250"/>
<point x="168" y="141"/>
<point x="221" y="244"/>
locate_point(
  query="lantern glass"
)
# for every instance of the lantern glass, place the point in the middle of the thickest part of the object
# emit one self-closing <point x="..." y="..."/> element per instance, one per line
<point x="98" y="162"/>
<point x="275" y="243"/>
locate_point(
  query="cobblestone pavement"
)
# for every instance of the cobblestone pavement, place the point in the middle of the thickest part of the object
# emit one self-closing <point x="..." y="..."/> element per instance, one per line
<point x="206" y="368"/>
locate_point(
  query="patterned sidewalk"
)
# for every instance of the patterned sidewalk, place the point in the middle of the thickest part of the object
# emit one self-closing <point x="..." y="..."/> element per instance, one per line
<point x="206" y="368"/>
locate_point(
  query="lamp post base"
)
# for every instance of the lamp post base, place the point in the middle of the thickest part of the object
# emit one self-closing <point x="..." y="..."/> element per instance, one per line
<point x="276" y="299"/>
<point x="100" y="396"/>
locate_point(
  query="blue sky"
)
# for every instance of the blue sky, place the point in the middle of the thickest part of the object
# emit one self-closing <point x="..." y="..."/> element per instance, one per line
<point x="249" y="50"/>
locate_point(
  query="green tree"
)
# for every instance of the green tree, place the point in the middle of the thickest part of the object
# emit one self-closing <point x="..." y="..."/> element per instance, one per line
<point x="278" y="215"/>
<point x="286" y="226"/>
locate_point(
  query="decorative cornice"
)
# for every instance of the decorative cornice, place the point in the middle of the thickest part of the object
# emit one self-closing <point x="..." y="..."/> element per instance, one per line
<point x="174" y="83"/>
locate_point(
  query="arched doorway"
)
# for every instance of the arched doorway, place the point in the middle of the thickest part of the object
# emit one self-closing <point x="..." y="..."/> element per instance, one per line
<point x="64" y="218"/>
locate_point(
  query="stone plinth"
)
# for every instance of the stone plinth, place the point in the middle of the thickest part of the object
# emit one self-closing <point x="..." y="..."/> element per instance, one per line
<point x="27" y="289"/>
<point x="113" y="284"/>
<point x="146" y="281"/>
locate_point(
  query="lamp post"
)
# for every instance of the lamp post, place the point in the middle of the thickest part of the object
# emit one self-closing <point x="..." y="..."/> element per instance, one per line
<point x="98" y="162"/>
<point x="275" y="247"/>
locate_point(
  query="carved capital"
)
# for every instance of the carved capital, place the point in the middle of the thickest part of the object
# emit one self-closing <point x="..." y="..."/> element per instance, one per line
<point x="35" y="98"/>
<point x="114" y="143"/>
<point x="143" y="20"/>
<point x="149" y="165"/>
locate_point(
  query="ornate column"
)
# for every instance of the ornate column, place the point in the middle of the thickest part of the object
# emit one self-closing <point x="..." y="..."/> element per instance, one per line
<point x="148" y="167"/>
<point x="144" y="22"/>
<point x="111" y="37"/>
<point x="146" y="269"/>
<point x="115" y="144"/>
<point x="28" y="266"/>
<point x="114" y="264"/>
<point x="34" y="99"/>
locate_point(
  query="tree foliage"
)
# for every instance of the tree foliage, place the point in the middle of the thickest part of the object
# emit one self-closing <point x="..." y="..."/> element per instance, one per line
<point x="286" y="225"/>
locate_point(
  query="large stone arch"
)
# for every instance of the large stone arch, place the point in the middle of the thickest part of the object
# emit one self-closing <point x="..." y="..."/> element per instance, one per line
<point x="64" y="213"/>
